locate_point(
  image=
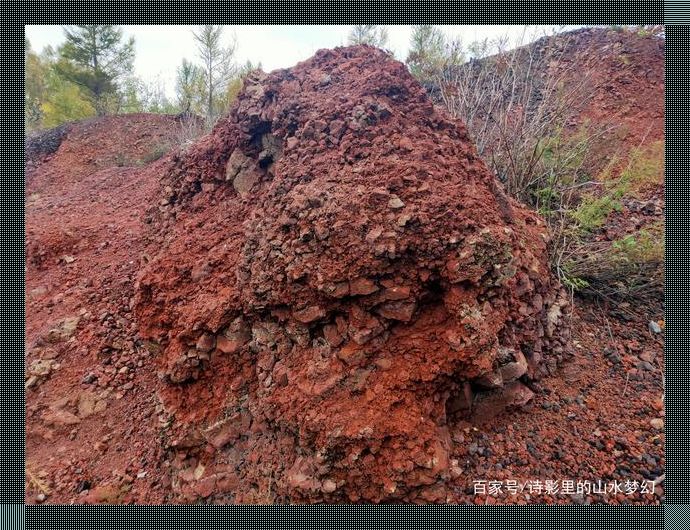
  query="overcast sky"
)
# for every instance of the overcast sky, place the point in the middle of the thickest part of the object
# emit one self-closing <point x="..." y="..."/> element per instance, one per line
<point x="160" y="49"/>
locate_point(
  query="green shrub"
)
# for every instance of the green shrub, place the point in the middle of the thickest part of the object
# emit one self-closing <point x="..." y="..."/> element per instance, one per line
<point x="647" y="246"/>
<point x="155" y="154"/>
<point x="631" y="267"/>
<point x="644" y="169"/>
<point x="593" y="211"/>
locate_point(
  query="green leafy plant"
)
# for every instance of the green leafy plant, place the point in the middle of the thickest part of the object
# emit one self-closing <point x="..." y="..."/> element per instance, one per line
<point x="644" y="169"/>
<point x="574" y="283"/>
<point x="644" y="247"/>
<point x="593" y="211"/>
<point x="156" y="153"/>
<point x="630" y="267"/>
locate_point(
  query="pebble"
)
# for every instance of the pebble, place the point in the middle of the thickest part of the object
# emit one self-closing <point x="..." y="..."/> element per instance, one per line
<point x="647" y="356"/>
<point x="657" y="423"/>
<point x="328" y="486"/>
<point x="395" y="203"/>
<point x="615" y="358"/>
<point x="89" y="378"/>
<point x="649" y="459"/>
<point x="41" y="497"/>
<point x="654" y="327"/>
<point x="647" y="366"/>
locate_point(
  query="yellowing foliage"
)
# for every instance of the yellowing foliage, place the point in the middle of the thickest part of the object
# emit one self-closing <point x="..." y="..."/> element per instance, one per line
<point x="65" y="102"/>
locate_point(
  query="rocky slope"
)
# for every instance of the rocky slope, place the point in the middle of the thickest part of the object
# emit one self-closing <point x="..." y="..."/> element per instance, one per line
<point x="86" y="196"/>
<point x="337" y="252"/>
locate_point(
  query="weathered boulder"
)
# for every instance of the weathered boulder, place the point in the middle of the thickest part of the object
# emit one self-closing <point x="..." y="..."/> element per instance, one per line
<point x="381" y="277"/>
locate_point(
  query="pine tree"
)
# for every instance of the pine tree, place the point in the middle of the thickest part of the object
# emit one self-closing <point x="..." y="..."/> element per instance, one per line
<point x="428" y="52"/>
<point x="368" y="34"/>
<point x="217" y="64"/>
<point x="189" y="86"/>
<point x="50" y="99"/>
<point x="95" y="57"/>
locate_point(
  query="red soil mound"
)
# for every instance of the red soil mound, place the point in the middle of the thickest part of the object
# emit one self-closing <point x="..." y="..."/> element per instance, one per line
<point x="606" y="85"/>
<point x="627" y="71"/>
<point x="624" y="73"/>
<point x="67" y="153"/>
<point x="84" y="225"/>
<point x="338" y="271"/>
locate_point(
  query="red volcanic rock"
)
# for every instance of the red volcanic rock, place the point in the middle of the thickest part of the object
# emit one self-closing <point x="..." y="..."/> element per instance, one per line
<point x="397" y="310"/>
<point x="376" y="270"/>
<point x="362" y="286"/>
<point x="309" y="314"/>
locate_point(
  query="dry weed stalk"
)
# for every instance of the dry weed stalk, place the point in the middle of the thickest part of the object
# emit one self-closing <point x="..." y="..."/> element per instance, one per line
<point x="33" y="480"/>
<point x="189" y="128"/>
<point x="521" y="108"/>
<point x="515" y="103"/>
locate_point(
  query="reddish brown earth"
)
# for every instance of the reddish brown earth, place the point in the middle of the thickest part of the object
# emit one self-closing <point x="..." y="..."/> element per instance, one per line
<point x="626" y="74"/>
<point x="336" y="252"/>
<point x="324" y="351"/>
<point x="84" y="224"/>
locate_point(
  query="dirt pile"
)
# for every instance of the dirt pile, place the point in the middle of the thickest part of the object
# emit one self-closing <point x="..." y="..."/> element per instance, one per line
<point x="105" y="151"/>
<point x="623" y="108"/>
<point x="627" y="70"/>
<point x="596" y="83"/>
<point x="89" y="389"/>
<point x="337" y="272"/>
<point x="85" y="147"/>
<point x="96" y="431"/>
<point x="624" y="72"/>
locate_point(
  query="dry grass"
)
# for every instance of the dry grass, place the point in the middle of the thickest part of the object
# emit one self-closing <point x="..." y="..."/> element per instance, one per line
<point x="32" y="481"/>
<point x="631" y="267"/>
<point x="516" y="104"/>
<point x="188" y="130"/>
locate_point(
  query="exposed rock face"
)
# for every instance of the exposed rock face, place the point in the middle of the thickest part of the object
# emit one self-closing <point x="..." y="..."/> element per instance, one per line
<point x="335" y="267"/>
